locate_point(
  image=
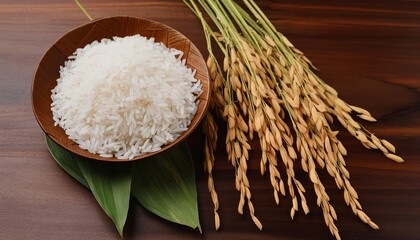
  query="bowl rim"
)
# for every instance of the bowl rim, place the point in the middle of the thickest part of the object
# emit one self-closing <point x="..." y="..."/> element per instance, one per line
<point x="97" y="157"/>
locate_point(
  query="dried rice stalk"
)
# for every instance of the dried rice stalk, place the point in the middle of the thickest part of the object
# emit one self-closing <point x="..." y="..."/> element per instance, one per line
<point x="264" y="83"/>
<point x="210" y="130"/>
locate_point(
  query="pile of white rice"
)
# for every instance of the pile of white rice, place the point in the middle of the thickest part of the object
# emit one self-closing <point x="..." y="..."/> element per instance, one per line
<point x="125" y="96"/>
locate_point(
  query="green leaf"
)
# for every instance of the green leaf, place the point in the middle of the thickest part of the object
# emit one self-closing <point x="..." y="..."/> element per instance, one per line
<point x="165" y="185"/>
<point x="110" y="183"/>
<point x="66" y="160"/>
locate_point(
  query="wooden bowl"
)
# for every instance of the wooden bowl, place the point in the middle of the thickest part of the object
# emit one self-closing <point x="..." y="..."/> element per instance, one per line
<point x="46" y="75"/>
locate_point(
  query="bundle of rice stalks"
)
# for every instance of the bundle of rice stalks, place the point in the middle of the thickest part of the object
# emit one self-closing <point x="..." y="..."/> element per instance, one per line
<point x="267" y="88"/>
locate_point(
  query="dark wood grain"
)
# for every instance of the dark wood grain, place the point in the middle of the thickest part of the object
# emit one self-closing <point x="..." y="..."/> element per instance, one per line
<point x="368" y="50"/>
<point x="46" y="75"/>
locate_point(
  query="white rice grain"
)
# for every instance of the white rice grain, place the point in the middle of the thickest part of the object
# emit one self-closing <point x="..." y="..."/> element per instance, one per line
<point x="125" y="96"/>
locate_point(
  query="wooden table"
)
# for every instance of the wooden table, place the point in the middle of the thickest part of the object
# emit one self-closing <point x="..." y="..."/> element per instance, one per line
<point x="368" y="50"/>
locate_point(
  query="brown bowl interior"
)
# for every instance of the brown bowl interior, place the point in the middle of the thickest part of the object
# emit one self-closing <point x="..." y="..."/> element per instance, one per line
<point x="48" y="71"/>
